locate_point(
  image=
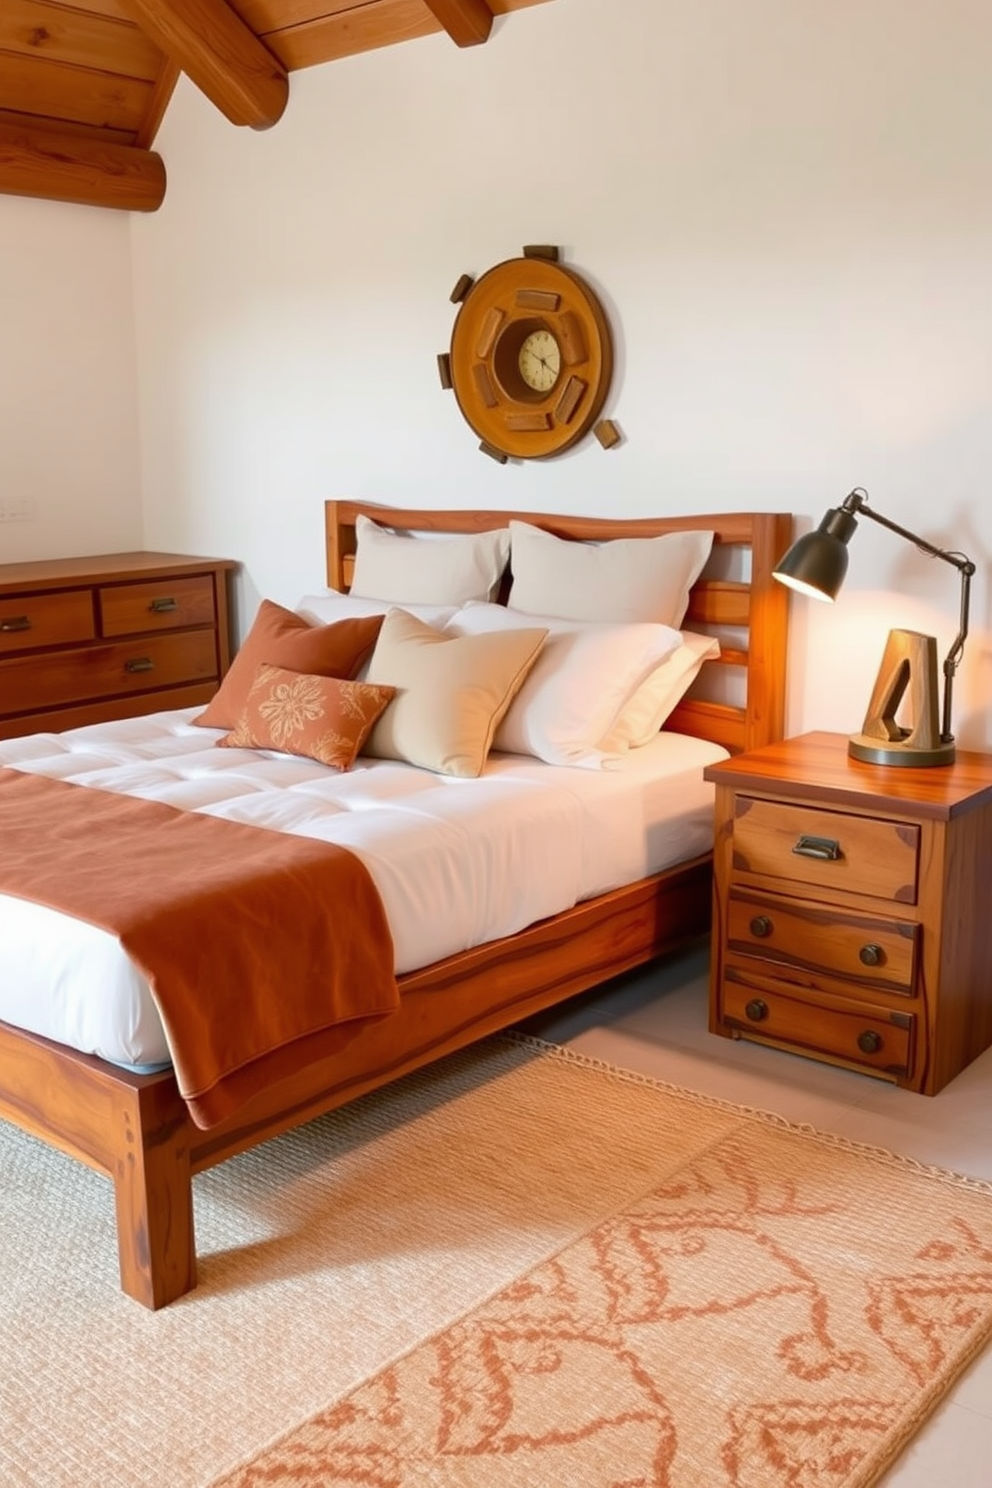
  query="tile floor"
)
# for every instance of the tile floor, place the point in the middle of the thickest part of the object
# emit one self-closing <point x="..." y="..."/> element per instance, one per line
<point x="654" y="1021"/>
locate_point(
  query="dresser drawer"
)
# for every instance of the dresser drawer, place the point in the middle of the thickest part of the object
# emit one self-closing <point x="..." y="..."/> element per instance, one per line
<point x="858" y="1033"/>
<point x="30" y="620"/>
<point x="826" y="849"/>
<point x="114" y="670"/>
<point x="858" y="948"/>
<point x="162" y="604"/>
<point x="85" y="640"/>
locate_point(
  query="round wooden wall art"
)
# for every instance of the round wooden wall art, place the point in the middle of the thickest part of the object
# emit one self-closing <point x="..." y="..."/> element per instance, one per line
<point x="531" y="358"/>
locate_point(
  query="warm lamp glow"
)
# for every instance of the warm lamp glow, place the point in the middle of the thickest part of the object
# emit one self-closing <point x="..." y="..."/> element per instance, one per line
<point x="801" y="587"/>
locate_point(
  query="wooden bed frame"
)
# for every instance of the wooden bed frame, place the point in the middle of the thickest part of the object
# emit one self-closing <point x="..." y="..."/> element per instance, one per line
<point x="136" y="1128"/>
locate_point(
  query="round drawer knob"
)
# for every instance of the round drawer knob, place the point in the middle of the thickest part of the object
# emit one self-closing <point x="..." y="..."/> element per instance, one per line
<point x="756" y="1010"/>
<point x="761" y="926"/>
<point x="869" y="1042"/>
<point x="871" y="955"/>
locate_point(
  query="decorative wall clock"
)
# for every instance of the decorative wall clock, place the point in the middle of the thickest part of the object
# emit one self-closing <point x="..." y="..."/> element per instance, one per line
<point x="531" y="357"/>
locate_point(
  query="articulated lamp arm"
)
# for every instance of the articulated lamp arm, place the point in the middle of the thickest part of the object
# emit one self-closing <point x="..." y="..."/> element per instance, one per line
<point x="816" y="564"/>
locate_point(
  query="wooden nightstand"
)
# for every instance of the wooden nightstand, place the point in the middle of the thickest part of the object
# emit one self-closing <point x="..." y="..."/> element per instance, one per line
<point x="852" y="909"/>
<point x="83" y="640"/>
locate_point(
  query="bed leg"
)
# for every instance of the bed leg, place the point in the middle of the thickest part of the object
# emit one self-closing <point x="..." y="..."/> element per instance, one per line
<point x="154" y="1199"/>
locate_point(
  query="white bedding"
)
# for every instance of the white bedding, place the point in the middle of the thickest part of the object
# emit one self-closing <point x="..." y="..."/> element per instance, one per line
<point x="457" y="862"/>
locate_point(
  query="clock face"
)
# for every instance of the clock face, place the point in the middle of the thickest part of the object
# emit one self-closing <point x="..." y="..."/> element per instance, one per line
<point x="539" y="361"/>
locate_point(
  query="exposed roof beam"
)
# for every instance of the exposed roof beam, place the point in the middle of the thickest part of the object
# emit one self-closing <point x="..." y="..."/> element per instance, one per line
<point x="162" y="90"/>
<point x="60" y="166"/>
<point x="467" y="22"/>
<point x="215" y="48"/>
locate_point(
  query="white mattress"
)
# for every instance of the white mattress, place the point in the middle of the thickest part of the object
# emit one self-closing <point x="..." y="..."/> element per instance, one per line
<point x="456" y="862"/>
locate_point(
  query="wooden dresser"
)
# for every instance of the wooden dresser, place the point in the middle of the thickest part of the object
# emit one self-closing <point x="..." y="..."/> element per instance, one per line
<point x="83" y="640"/>
<point x="851" y="908"/>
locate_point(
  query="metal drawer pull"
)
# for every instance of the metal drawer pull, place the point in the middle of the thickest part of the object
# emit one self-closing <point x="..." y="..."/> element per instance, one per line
<point x="16" y="622"/>
<point x="756" y="1010"/>
<point x="818" y="847"/>
<point x="140" y="664"/>
<point x="163" y="606"/>
<point x="761" y="926"/>
<point x="869" y="1042"/>
<point x="871" y="955"/>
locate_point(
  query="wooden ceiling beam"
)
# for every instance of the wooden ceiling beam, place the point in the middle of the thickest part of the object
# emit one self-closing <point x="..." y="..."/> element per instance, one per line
<point x="226" y="61"/>
<point x="467" y="22"/>
<point x="60" y="166"/>
<point x="165" y="86"/>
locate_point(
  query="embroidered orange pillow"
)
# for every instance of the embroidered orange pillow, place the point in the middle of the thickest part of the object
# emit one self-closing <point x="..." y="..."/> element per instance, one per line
<point x="322" y="718"/>
<point x="279" y="637"/>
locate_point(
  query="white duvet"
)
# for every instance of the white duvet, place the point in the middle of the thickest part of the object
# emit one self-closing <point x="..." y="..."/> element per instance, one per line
<point x="457" y="862"/>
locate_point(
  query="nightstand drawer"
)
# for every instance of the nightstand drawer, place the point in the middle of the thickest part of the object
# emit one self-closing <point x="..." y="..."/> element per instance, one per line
<point x="802" y="935"/>
<point x="113" y="670"/>
<point x="826" y="849"/>
<point x="874" y="1037"/>
<point x="29" y="620"/>
<point x="163" y="604"/>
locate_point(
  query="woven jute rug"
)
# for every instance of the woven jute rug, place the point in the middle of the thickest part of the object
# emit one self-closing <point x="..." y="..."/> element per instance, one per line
<point x="518" y="1268"/>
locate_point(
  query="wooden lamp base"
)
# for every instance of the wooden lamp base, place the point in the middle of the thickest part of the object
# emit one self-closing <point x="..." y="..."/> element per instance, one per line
<point x="909" y="665"/>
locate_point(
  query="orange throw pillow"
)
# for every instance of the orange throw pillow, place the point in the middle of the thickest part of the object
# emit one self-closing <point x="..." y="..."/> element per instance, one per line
<point x="322" y="718"/>
<point x="279" y="637"/>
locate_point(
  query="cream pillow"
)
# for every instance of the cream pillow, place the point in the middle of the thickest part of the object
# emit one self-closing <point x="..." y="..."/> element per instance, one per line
<point x="574" y="691"/>
<point x="646" y="710"/>
<point x="451" y="691"/>
<point x="332" y="605"/>
<point x="447" y="570"/>
<point x="627" y="580"/>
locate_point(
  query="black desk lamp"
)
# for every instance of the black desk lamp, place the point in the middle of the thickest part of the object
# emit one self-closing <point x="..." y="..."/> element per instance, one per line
<point x="815" y="565"/>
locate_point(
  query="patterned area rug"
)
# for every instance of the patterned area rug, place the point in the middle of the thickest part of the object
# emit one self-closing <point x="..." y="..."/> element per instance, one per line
<point x="520" y="1269"/>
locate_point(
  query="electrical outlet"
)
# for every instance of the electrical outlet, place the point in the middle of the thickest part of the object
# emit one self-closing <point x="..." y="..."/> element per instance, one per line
<point x="16" y="508"/>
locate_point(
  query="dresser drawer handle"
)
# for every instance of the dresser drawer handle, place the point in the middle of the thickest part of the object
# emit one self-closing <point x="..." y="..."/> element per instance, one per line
<point x="818" y="847"/>
<point x="761" y="927"/>
<point x="16" y="622"/>
<point x="756" y="1010"/>
<point x="871" y="955"/>
<point x="140" y="664"/>
<point x="163" y="606"/>
<point x="869" y="1042"/>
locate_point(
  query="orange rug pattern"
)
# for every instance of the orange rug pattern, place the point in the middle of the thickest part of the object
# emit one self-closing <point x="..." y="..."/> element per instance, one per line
<point x="782" y="1311"/>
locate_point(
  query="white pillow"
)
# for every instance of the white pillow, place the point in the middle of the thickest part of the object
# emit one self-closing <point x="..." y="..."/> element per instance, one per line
<point x="326" y="608"/>
<point x="625" y="581"/>
<point x="646" y="710"/>
<point x="446" y="570"/>
<point x="575" y="689"/>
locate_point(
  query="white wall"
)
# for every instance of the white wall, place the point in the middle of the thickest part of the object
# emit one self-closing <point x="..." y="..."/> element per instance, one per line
<point x="68" y="397"/>
<point x="787" y="210"/>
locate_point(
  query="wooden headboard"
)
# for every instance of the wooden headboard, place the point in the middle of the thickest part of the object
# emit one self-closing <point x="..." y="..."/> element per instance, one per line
<point x="753" y="608"/>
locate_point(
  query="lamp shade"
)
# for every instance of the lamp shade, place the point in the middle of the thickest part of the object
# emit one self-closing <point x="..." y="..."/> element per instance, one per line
<point x="816" y="564"/>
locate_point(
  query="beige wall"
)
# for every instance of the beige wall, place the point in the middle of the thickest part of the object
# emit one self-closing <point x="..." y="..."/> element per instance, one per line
<point x="68" y="393"/>
<point x="787" y="210"/>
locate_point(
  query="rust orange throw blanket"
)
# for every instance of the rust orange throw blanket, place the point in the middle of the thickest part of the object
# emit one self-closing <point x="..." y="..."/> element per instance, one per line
<point x="263" y="950"/>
